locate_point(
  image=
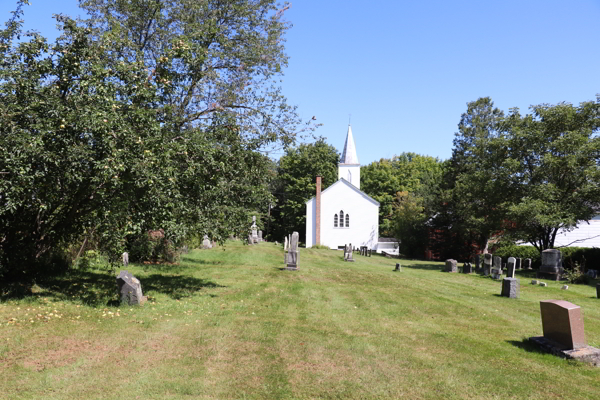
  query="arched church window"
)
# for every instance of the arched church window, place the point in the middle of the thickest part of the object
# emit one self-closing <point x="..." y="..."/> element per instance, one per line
<point x="335" y="219"/>
<point x="341" y="219"/>
<point x="347" y="220"/>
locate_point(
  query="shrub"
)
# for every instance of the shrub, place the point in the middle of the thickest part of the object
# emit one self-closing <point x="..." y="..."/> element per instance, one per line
<point x="575" y="274"/>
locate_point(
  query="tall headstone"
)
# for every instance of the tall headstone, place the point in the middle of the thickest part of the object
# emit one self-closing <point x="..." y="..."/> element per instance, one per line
<point x="260" y="236"/>
<point x="348" y="253"/>
<point x="551" y="265"/>
<point x="285" y="250"/>
<point x="477" y="263"/>
<point x="487" y="264"/>
<point x="125" y="259"/>
<point x="562" y="323"/>
<point x="250" y="240"/>
<point x="254" y="230"/>
<point x="510" y="288"/>
<point x="451" y="266"/>
<point x="206" y="244"/>
<point x="292" y="263"/>
<point x="497" y="268"/>
<point x="528" y="263"/>
<point x="518" y="264"/>
<point x="598" y="290"/>
<point x="511" y="265"/>
<point x="130" y="289"/>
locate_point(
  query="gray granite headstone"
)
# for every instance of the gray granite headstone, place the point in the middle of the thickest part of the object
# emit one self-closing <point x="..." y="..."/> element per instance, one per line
<point x="518" y="264"/>
<point x="451" y="265"/>
<point x="497" y="268"/>
<point x="528" y="263"/>
<point x="487" y="264"/>
<point x="510" y="269"/>
<point x="467" y="268"/>
<point x="260" y="239"/>
<point x="130" y="288"/>
<point x="125" y="259"/>
<point x="348" y="253"/>
<point x="477" y="263"/>
<point x="551" y="265"/>
<point x="285" y="250"/>
<point x="592" y="273"/>
<point x="510" y="288"/>
<point x="206" y="244"/>
<point x="292" y="263"/>
<point x="598" y="290"/>
<point x="250" y="240"/>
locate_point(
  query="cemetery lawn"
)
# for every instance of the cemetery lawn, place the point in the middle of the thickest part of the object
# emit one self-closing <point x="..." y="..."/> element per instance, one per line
<point x="230" y="324"/>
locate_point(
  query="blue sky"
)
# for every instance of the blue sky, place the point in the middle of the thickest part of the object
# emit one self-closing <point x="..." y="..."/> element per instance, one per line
<point x="406" y="69"/>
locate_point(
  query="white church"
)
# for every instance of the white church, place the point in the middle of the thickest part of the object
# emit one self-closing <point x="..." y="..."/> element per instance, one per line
<point x="342" y="214"/>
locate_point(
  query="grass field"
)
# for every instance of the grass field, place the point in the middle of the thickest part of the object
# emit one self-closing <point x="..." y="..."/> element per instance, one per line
<point x="230" y="324"/>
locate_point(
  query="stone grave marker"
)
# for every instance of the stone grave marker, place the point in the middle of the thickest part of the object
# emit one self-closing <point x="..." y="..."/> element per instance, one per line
<point x="518" y="264"/>
<point x="348" y="253"/>
<point x="510" y="288"/>
<point x="292" y="263"/>
<point x="511" y="266"/>
<point x="250" y="240"/>
<point x="206" y="243"/>
<point x="451" y="266"/>
<point x="130" y="289"/>
<point x="551" y="265"/>
<point x="598" y="290"/>
<point x="562" y="322"/>
<point x="497" y="268"/>
<point x="487" y="264"/>
<point x="565" y="287"/>
<point x="398" y="268"/>
<point x="125" y="259"/>
<point x="543" y="284"/>
<point x="467" y="269"/>
<point x="285" y="250"/>
<point x="528" y="263"/>
<point x="592" y="273"/>
<point x="477" y="263"/>
<point x="534" y="282"/>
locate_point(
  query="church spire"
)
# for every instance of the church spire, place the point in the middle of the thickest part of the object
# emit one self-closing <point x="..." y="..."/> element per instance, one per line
<point x="349" y="154"/>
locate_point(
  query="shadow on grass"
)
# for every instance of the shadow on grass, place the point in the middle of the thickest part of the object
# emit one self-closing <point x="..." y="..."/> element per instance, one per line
<point x="100" y="288"/>
<point x="427" y="267"/>
<point x="526" y="345"/>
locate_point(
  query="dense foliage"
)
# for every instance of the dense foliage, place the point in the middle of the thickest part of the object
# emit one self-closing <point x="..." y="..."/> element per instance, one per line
<point x="149" y="116"/>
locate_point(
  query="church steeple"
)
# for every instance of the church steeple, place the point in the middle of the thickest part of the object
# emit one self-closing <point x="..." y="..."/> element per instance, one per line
<point x="349" y="154"/>
<point x="349" y="166"/>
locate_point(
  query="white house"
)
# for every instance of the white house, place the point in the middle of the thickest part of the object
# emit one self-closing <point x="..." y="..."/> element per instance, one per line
<point x="585" y="234"/>
<point x="342" y="214"/>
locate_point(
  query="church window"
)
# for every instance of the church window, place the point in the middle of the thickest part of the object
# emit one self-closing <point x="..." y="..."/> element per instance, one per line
<point x="341" y="219"/>
<point x="335" y="219"/>
<point x="347" y="220"/>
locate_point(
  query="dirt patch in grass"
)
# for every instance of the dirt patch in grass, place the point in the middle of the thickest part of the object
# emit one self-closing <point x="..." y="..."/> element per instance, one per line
<point x="63" y="351"/>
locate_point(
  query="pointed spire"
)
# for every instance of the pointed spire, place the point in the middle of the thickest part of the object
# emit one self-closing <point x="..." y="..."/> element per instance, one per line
<point x="349" y="154"/>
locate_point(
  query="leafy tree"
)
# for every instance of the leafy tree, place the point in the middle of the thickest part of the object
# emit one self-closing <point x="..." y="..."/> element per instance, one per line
<point x="553" y="169"/>
<point x="296" y="184"/>
<point x="408" y="172"/>
<point x="409" y="224"/>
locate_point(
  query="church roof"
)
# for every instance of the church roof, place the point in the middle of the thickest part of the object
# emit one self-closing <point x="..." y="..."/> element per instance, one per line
<point x="342" y="181"/>
<point x="349" y="154"/>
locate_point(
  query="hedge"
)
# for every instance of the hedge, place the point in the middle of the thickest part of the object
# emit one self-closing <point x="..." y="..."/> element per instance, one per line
<point x="589" y="257"/>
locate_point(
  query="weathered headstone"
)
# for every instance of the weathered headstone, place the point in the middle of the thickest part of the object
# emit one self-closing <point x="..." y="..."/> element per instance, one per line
<point x="565" y="287"/>
<point x="285" y="250"/>
<point x="130" y="289"/>
<point x="551" y="265"/>
<point x="398" y="268"/>
<point x="562" y="323"/>
<point x="528" y="263"/>
<point x="125" y="259"/>
<point x="206" y="244"/>
<point x="477" y="263"/>
<point x="467" y="269"/>
<point x="518" y="264"/>
<point x="292" y="263"/>
<point x="497" y="268"/>
<point x="250" y="240"/>
<point x="534" y="282"/>
<point x="254" y="230"/>
<point x="543" y="284"/>
<point x="592" y="273"/>
<point x="510" y="288"/>
<point x="451" y="266"/>
<point x="348" y="253"/>
<point x="260" y="239"/>
<point x="510" y="269"/>
<point x="598" y="290"/>
<point x="487" y="264"/>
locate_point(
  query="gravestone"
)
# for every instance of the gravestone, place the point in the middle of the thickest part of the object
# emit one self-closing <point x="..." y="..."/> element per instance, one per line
<point x="260" y="239"/>
<point x="562" y="323"/>
<point x="487" y="264"/>
<point x="497" y="268"/>
<point x="206" y="244"/>
<point x="398" y="268"/>
<point x="565" y="287"/>
<point x="451" y="266"/>
<point x="467" y="269"/>
<point x="534" y="282"/>
<point x="551" y="265"/>
<point x="511" y="265"/>
<point x="125" y="259"/>
<point x="592" y="273"/>
<point x="254" y="230"/>
<point x="564" y="336"/>
<point x="528" y="263"/>
<point x="510" y="287"/>
<point x="348" y="253"/>
<point x="292" y="263"/>
<point x="477" y="263"/>
<point x="250" y="240"/>
<point x="130" y="289"/>
<point x="598" y="290"/>
<point x="518" y="264"/>
<point x="285" y="250"/>
<point x="543" y="284"/>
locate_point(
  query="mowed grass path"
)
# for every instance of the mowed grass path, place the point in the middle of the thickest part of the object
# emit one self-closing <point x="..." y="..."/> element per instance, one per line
<point x="229" y="324"/>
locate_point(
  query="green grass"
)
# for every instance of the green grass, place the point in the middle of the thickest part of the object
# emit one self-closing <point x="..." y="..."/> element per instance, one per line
<point x="230" y="324"/>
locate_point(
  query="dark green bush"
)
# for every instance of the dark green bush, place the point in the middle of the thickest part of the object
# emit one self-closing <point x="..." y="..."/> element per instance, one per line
<point x="523" y="252"/>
